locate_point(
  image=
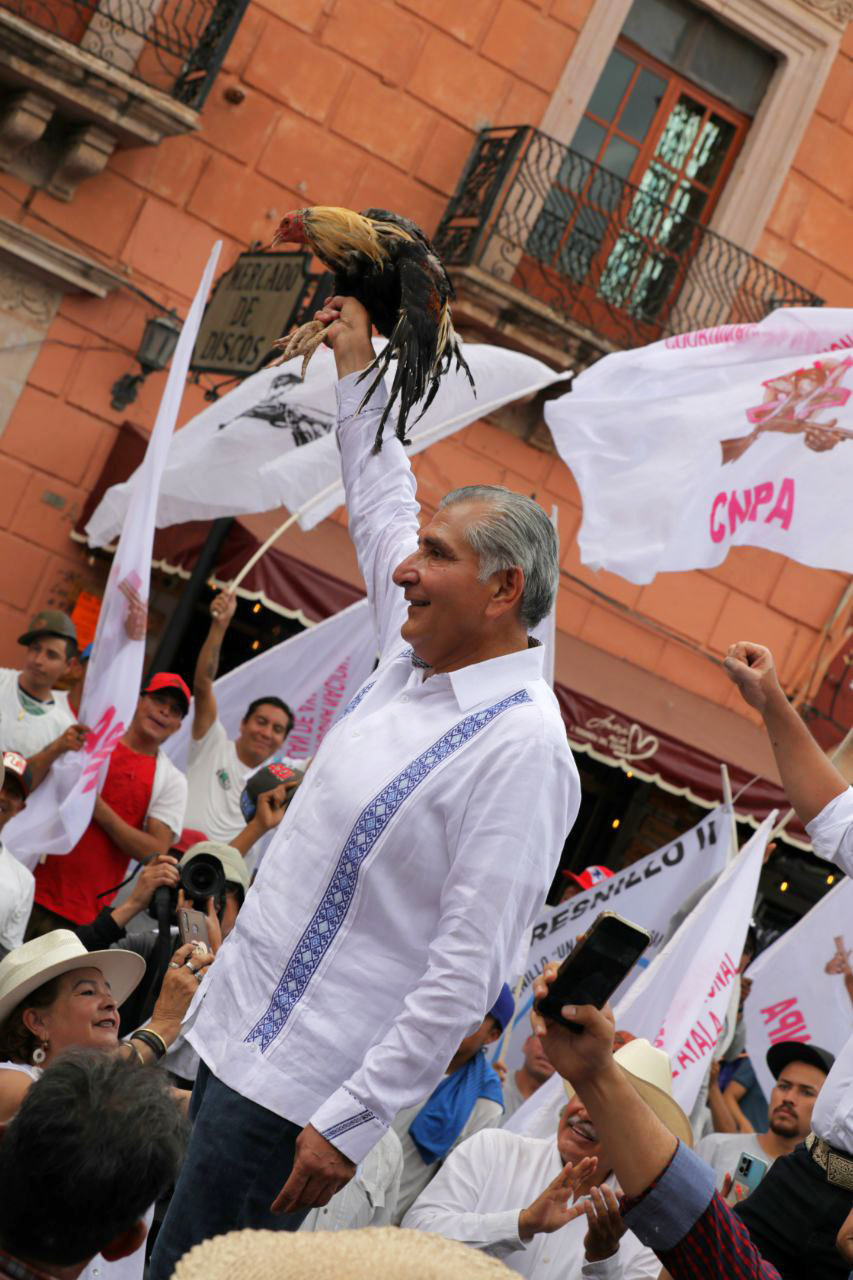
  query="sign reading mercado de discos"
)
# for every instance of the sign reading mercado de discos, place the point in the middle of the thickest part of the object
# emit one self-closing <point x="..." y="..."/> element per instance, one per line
<point x="253" y="303"/>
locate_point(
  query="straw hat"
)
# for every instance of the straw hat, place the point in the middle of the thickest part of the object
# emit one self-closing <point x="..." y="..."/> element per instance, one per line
<point x="36" y="962"/>
<point x="389" y="1252"/>
<point x="650" y="1072"/>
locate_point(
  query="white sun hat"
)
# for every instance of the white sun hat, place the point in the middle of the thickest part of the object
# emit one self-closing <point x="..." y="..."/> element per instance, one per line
<point x="650" y="1072"/>
<point x="364" y="1254"/>
<point x="37" y="961"/>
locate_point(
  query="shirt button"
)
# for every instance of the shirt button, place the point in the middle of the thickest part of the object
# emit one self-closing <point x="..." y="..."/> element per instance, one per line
<point x="355" y="733"/>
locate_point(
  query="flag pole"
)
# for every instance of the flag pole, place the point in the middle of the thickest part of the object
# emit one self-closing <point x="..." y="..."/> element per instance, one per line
<point x="277" y="533"/>
<point x="729" y="803"/>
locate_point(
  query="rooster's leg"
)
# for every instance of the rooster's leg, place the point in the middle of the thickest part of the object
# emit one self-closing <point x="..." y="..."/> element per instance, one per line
<point x="304" y="341"/>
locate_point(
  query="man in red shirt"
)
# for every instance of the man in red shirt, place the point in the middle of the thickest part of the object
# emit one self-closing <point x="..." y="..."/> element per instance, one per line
<point x="138" y="814"/>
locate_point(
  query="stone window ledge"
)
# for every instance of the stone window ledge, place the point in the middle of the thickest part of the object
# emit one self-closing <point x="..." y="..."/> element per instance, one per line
<point x="63" y="111"/>
<point x="52" y="264"/>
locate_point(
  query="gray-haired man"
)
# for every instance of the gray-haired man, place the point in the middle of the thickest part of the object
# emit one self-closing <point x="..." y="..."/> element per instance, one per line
<point x="411" y="862"/>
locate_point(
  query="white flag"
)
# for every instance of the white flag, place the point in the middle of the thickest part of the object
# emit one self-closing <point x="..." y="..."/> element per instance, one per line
<point x="59" y="811"/>
<point x="798" y="991"/>
<point x="647" y="893"/>
<point x="680" y="1001"/>
<point x="316" y="672"/>
<point x="739" y="435"/>
<point x="270" y="442"/>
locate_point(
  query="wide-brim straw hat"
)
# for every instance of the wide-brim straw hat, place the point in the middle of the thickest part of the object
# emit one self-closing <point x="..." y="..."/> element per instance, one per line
<point x="390" y="1252"/>
<point x="29" y="966"/>
<point x="650" y="1072"/>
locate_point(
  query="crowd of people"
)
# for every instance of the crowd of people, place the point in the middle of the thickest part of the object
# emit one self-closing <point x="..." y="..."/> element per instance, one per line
<point x="320" y="1057"/>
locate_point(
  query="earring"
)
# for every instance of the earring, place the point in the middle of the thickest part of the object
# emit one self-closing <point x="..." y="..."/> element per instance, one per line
<point x="39" y="1054"/>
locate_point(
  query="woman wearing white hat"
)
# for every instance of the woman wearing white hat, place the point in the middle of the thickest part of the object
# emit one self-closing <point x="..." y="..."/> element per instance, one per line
<point x="56" y="995"/>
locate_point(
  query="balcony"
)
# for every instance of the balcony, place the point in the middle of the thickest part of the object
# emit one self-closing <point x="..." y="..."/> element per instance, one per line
<point x="79" y="78"/>
<point x="564" y="259"/>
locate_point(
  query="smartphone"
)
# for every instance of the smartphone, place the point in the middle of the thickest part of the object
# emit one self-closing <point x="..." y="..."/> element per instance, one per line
<point x="192" y="926"/>
<point x="748" y="1173"/>
<point x="596" y="965"/>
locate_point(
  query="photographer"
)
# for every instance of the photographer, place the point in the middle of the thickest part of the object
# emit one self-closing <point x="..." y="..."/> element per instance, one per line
<point x="211" y="878"/>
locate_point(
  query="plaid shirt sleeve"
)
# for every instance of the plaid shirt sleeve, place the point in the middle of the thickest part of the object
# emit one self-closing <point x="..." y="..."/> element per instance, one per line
<point x="691" y="1228"/>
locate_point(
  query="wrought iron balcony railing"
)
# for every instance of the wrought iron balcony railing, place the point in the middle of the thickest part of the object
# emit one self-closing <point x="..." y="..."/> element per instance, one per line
<point x="597" y="250"/>
<point x="176" y="46"/>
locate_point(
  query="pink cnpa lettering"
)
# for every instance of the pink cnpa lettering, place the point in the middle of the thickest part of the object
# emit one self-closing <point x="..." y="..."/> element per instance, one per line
<point x="737" y="513"/>
<point x="761" y="495"/>
<point x="784" y="509"/>
<point x="718" y="531"/>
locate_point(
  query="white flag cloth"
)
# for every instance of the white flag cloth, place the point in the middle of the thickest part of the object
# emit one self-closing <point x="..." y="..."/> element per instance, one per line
<point x="740" y="435"/>
<point x="793" y="997"/>
<point x="270" y="442"/>
<point x="59" y="811"/>
<point x="679" y="1002"/>
<point x="316" y="672"/>
<point x="647" y="893"/>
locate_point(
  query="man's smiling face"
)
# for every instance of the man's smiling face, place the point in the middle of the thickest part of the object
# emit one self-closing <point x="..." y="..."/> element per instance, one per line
<point x="441" y="584"/>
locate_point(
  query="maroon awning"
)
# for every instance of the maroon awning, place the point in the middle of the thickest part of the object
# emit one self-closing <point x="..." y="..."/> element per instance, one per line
<point x="653" y="756"/>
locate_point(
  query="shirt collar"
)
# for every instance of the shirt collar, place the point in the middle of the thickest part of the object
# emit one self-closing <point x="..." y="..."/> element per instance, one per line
<point x="497" y="677"/>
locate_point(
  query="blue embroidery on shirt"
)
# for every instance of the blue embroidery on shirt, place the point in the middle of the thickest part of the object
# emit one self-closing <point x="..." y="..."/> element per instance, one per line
<point x="353" y="702"/>
<point x="340" y="891"/>
<point x="345" y="1125"/>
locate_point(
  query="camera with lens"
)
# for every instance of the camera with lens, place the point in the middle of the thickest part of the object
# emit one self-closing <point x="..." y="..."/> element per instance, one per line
<point x="203" y="878"/>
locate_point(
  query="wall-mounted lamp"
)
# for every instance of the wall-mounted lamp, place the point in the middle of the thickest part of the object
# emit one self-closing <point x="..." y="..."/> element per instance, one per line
<point x="156" y="349"/>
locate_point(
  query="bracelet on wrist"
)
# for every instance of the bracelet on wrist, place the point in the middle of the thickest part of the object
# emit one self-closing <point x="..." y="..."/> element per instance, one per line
<point x="155" y="1042"/>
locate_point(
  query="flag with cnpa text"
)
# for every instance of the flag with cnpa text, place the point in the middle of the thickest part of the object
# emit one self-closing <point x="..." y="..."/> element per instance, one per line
<point x="316" y="673"/>
<point x="60" y="810"/>
<point x="648" y="892"/>
<point x="800" y="985"/>
<point x="738" y="435"/>
<point x="680" y="1001"/>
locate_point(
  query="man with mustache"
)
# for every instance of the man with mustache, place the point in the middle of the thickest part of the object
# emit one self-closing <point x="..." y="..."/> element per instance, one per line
<point x="799" y="1071"/>
<point x="548" y="1207"/>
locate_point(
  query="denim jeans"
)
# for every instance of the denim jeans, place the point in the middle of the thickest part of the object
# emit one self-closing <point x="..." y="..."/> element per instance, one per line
<point x="238" y="1159"/>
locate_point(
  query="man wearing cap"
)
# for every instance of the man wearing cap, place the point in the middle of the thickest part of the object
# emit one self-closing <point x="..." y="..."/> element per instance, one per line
<point x="468" y="1099"/>
<point x="511" y="1195"/>
<point x="217" y="767"/>
<point x="799" y="1071"/>
<point x="587" y="879"/>
<point x="16" y="881"/>
<point x="36" y="719"/>
<point x="137" y="814"/>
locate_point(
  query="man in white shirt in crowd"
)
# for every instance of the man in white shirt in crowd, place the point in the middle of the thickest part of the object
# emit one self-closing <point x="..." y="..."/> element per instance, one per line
<point x="468" y="1099"/>
<point x="799" y="1071"/>
<point x="370" y="1198"/>
<point x="512" y="1196"/>
<point x="795" y="1214"/>
<point x="17" y="884"/>
<point x="533" y="1072"/>
<point x="407" y="869"/>
<point x="219" y="767"/>
<point x="36" y="719"/>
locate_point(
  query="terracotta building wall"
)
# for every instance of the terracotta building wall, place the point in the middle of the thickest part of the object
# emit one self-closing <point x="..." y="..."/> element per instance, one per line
<point x="377" y="104"/>
<point x="809" y="232"/>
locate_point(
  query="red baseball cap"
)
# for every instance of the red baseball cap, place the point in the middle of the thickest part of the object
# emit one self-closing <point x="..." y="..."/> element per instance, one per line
<point x="15" y="766"/>
<point x="589" y="876"/>
<point x="187" y="839"/>
<point x="170" y="682"/>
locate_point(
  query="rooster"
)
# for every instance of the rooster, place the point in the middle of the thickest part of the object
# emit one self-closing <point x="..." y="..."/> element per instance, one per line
<point x="387" y="264"/>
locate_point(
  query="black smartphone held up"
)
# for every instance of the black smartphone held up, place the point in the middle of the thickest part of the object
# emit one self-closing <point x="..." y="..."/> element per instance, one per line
<point x="595" y="966"/>
<point x="192" y="926"/>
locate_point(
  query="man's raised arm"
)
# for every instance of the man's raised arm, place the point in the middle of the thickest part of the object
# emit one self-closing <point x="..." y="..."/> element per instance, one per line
<point x="380" y="488"/>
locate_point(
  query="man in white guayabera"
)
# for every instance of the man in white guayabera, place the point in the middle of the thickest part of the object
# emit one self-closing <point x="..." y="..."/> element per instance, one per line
<point x="411" y="862"/>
